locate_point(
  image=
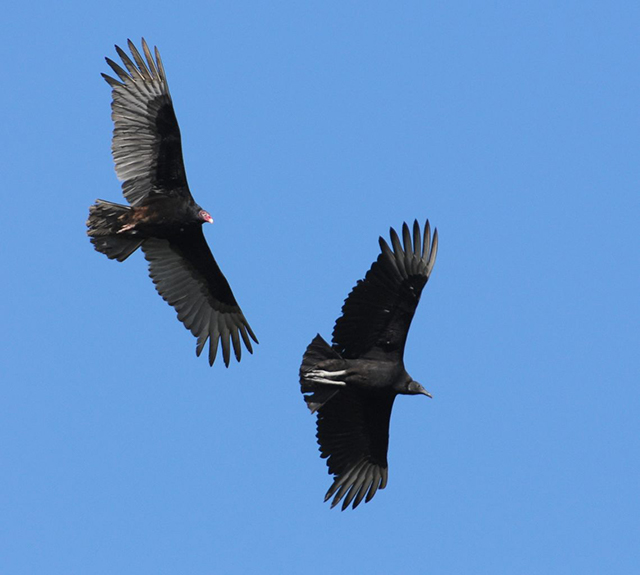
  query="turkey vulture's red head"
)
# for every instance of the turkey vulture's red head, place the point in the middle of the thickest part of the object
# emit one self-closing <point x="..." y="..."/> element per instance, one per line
<point x="205" y="216"/>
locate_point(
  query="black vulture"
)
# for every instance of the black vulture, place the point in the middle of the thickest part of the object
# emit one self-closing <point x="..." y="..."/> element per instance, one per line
<point x="352" y="384"/>
<point x="163" y="218"/>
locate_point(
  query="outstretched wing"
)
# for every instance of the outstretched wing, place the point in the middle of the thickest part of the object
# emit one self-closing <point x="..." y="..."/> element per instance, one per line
<point x="353" y="434"/>
<point x="378" y="312"/>
<point x="187" y="277"/>
<point x="146" y="145"/>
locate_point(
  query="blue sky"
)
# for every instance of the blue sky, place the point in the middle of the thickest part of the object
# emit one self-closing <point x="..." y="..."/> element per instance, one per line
<point x="308" y="129"/>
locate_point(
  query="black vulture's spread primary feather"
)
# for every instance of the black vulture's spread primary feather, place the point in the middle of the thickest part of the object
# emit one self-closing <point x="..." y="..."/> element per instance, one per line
<point x="163" y="218"/>
<point x="352" y="384"/>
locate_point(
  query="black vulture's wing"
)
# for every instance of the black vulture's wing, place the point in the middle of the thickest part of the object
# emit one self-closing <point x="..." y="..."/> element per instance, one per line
<point x="146" y="145"/>
<point x="353" y="434"/>
<point x="377" y="313"/>
<point x="187" y="277"/>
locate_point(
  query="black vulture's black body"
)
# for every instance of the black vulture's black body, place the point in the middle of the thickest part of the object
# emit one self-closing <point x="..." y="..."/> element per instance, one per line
<point x="352" y="384"/>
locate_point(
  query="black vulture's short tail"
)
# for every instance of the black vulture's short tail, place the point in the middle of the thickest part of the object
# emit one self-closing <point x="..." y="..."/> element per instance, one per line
<point x="318" y="352"/>
<point x="105" y="223"/>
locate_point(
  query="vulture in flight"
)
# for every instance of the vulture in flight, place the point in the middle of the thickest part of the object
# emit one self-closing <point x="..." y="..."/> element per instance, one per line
<point x="163" y="218"/>
<point x="352" y="384"/>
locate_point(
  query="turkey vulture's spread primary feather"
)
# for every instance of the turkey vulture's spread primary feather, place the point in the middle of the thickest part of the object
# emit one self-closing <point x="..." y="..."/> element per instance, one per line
<point x="163" y="218"/>
<point x="352" y="384"/>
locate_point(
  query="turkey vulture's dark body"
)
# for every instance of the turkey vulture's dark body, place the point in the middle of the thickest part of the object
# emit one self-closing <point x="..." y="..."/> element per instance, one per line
<point x="352" y="384"/>
<point x="163" y="218"/>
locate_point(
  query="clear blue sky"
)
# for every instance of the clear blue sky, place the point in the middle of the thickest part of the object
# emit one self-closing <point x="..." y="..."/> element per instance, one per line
<point x="309" y="129"/>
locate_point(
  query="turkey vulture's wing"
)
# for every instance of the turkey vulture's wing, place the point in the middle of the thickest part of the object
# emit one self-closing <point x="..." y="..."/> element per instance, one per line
<point x="353" y="434"/>
<point x="146" y="145"/>
<point x="377" y="313"/>
<point x="187" y="277"/>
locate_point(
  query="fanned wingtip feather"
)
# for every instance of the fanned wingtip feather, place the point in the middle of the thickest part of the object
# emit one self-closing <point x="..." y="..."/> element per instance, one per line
<point x="406" y="238"/>
<point x="426" y="240"/>
<point x="342" y="484"/>
<point x="434" y="251"/>
<point x="120" y="72"/>
<point x="359" y="483"/>
<point x="235" y="340"/>
<point x="417" y="247"/>
<point x="372" y="490"/>
<point x="409" y="256"/>
<point x="129" y="65"/>
<point x="388" y="254"/>
<point x="161" y="72"/>
<point x="202" y="340"/>
<point x="398" y="252"/>
<point x="213" y="349"/>
<point x="354" y="489"/>
<point x="142" y="67"/>
<point x="245" y="337"/>
<point x="147" y="55"/>
<point x="364" y="487"/>
<point x="385" y="477"/>
<point x="111" y="81"/>
<point x="253" y="335"/>
<point x="226" y="345"/>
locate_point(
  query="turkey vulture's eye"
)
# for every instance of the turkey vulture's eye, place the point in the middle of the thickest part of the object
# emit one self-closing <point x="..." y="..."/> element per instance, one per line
<point x="205" y="216"/>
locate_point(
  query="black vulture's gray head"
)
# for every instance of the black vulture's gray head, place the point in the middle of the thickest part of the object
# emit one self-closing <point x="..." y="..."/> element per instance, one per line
<point x="414" y="388"/>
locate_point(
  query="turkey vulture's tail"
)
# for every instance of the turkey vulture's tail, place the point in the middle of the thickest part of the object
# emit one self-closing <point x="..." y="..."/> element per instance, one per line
<point x="320" y="373"/>
<point x="106" y="220"/>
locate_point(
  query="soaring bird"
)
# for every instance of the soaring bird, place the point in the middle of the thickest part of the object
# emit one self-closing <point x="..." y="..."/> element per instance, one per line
<point x="163" y="218"/>
<point x="352" y="384"/>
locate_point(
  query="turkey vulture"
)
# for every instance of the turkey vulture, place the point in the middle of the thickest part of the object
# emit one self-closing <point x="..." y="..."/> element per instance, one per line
<point x="352" y="383"/>
<point x="163" y="218"/>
